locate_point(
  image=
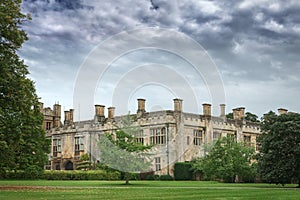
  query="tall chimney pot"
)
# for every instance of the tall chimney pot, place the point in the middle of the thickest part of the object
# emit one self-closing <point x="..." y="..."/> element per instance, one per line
<point x="177" y="105"/>
<point x="206" y="109"/>
<point x="222" y="110"/>
<point x="111" y="112"/>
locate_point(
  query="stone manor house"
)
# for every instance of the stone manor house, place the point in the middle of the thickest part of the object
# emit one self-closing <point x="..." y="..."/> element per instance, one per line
<point x="177" y="136"/>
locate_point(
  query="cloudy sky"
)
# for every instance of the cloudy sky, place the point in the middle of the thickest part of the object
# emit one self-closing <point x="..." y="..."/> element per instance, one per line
<point x="253" y="47"/>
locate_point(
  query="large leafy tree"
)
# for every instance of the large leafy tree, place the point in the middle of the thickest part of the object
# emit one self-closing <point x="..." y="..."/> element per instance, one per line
<point x="279" y="154"/>
<point x="22" y="140"/>
<point x="123" y="152"/>
<point x="227" y="160"/>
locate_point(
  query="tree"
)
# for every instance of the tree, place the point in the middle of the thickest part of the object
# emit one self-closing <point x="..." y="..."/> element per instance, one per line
<point x="229" y="115"/>
<point x="23" y="144"/>
<point x="84" y="162"/>
<point x="279" y="153"/>
<point x="122" y="151"/>
<point x="227" y="160"/>
<point x="251" y="117"/>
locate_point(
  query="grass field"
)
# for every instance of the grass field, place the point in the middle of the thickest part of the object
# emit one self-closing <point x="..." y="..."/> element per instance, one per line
<point x="142" y="190"/>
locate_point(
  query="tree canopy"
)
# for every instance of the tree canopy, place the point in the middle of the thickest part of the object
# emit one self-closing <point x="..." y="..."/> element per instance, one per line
<point x="23" y="144"/>
<point x="122" y="151"/>
<point x="279" y="153"/>
<point x="227" y="160"/>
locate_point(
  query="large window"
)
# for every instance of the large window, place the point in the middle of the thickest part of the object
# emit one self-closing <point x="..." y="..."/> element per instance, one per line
<point x="247" y="140"/>
<point x="48" y="126"/>
<point x="198" y="139"/>
<point x="56" y="147"/>
<point x="79" y="145"/>
<point x="157" y="164"/>
<point x="216" y="136"/>
<point x="140" y="137"/>
<point x="158" y="136"/>
<point x="232" y="137"/>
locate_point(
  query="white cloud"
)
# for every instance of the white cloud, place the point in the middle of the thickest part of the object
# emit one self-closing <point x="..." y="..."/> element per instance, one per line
<point x="259" y="17"/>
<point x="206" y="7"/>
<point x="237" y="47"/>
<point x="274" y="26"/>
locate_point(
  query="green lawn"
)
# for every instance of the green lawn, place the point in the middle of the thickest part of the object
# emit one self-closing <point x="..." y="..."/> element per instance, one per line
<point x="142" y="190"/>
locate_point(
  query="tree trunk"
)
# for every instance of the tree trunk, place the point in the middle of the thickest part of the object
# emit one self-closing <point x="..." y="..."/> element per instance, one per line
<point x="127" y="175"/>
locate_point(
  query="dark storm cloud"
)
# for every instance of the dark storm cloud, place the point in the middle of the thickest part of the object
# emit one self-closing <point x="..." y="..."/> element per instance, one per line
<point x="35" y="6"/>
<point x="251" y="41"/>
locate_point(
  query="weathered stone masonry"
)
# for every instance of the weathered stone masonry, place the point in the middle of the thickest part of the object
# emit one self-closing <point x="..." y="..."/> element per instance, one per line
<point x="177" y="136"/>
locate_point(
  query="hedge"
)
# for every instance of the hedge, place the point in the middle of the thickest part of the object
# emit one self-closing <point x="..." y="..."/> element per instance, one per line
<point x="182" y="171"/>
<point x="64" y="175"/>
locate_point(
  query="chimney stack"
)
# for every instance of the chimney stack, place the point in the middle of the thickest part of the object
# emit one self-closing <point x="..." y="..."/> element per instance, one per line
<point x="99" y="113"/>
<point x="282" y="111"/>
<point x="111" y="113"/>
<point x="69" y="117"/>
<point x="239" y="113"/>
<point x="178" y="105"/>
<point x="206" y="109"/>
<point x="57" y="115"/>
<point x="141" y="107"/>
<point x="222" y="110"/>
<point x="99" y="110"/>
<point x="41" y="105"/>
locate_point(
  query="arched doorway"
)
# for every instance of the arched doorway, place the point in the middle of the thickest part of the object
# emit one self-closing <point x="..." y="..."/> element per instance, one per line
<point x="69" y="165"/>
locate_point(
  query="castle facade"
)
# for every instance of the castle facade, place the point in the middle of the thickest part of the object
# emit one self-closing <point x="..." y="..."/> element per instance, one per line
<point x="176" y="136"/>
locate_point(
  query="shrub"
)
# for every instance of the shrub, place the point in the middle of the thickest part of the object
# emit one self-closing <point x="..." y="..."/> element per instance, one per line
<point x="81" y="175"/>
<point x="152" y="177"/>
<point x="30" y="173"/>
<point x="166" y="178"/>
<point x="33" y="172"/>
<point x="182" y="171"/>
